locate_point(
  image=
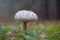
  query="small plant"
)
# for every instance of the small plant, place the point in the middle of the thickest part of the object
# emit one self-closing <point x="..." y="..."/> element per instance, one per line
<point x="3" y="34"/>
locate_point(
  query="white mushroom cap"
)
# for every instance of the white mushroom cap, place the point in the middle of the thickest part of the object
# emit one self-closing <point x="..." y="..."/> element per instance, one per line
<point x="25" y="15"/>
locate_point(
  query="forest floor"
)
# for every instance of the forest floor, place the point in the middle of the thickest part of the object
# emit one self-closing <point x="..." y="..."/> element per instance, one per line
<point x="40" y="30"/>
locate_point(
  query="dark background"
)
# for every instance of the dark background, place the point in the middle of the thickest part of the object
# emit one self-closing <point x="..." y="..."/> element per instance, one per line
<point x="45" y="9"/>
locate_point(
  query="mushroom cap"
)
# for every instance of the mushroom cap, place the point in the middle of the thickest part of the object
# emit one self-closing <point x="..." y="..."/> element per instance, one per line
<point x="25" y="15"/>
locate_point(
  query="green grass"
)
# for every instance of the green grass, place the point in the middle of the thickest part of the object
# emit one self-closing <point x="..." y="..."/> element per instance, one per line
<point x="33" y="32"/>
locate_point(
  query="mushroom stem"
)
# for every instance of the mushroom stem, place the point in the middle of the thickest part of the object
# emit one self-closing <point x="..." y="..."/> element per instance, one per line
<point x="24" y="27"/>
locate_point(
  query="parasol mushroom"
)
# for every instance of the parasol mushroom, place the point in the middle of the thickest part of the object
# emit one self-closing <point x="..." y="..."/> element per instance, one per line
<point x="25" y="16"/>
